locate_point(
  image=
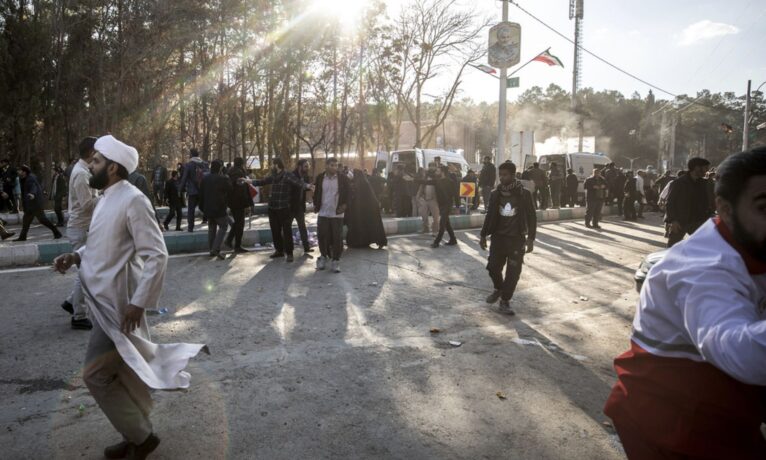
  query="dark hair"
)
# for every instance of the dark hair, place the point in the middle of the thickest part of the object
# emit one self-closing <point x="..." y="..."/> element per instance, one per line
<point x="122" y="172"/>
<point x="697" y="161"/>
<point x="193" y="153"/>
<point x="736" y="171"/>
<point x="173" y="173"/>
<point x="239" y="161"/>
<point x="508" y="166"/>
<point x="553" y="163"/>
<point x="535" y="165"/>
<point x="331" y="160"/>
<point x="488" y="158"/>
<point x="570" y="170"/>
<point x="301" y="163"/>
<point x="86" y="146"/>
<point x="215" y="166"/>
<point x="26" y="169"/>
<point x="278" y="163"/>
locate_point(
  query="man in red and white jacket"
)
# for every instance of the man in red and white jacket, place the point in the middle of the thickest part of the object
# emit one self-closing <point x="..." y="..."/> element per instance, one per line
<point x="692" y="383"/>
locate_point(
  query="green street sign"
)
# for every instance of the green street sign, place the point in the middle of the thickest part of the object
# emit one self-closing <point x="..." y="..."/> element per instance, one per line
<point x="512" y="82"/>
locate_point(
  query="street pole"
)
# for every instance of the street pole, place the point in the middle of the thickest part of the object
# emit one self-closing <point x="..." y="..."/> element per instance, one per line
<point x="746" y="128"/>
<point x="501" y="157"/>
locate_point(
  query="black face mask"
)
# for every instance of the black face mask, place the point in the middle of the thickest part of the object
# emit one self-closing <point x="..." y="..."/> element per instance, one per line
<point x="756" y="248"/>
<point x="99" y="180"/>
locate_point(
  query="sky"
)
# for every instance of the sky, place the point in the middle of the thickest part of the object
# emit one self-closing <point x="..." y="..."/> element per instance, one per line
<point x="682" y="46"/>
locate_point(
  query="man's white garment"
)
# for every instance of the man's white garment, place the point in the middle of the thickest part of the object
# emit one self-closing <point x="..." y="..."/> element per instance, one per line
<point x="640" y="184"/>
<point x="123" y="263"/>
<point x="701" y="303"/>
<point x="82" y="198"/>
<point x="330" y="196"/>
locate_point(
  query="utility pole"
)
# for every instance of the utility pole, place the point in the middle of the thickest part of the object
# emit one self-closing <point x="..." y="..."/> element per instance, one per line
<point x="746" y="128"/>
<point x="576" y="13"/>
<point x="500" y="154"/>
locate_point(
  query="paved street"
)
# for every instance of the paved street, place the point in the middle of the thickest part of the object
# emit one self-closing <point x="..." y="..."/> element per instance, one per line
<point x="322" y="365"/>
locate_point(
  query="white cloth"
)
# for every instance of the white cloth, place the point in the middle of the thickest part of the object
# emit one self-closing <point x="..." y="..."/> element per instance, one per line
<point x="640" y="184"/>
<point x="118" y="152"/>
<point x="330" y="195"/>
<point x="123" y="263"/>
<point x="82" y="198"/>
<point x="701" y="303"/>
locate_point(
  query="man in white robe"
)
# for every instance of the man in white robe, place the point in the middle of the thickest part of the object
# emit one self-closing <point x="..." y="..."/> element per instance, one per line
<point x="122" y="268"/>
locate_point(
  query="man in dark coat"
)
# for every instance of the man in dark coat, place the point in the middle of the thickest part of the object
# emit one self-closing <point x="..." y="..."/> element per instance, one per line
<point x="159" y="177"/>
<point x="572" y="182"/>
<point x="298" y="203"/>
<point x="688" y="206"/>
<point x="512" y="223"/>
<point x="631" y="196"/>
<point x="34" y="204"/>
<point x="8" y="177"/>
<point x="214" y="195"/>
<point x="58" y="194"/>
<point x="555" y="181"/>
<point x="239" y="201"/>
<point x="175" y="201"/>
<point x="191" y="179"/>
<point x="445" y="192"/>
<point x="595" y="194"/>
<point x="487" y="178"/>
<point x="365" y="226"/>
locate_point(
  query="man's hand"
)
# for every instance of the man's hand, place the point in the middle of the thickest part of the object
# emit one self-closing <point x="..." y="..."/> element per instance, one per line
<point x="530" y="246"/>
<point x="4" y="195"/>
<point x="483" y="243"/>
<point x="132" y="319"/>
<point x="62" y="263"/>
<point x="341" y="209"/>
<point x="31" y="196"/>
<point x="675" y="227"/>
<point x="311" y="187"/>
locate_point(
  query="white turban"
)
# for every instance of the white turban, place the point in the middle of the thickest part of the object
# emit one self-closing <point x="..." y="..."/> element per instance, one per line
<point x="118" y="152"/>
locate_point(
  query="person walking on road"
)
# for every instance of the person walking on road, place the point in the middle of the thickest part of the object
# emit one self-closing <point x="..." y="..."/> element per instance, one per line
<point x="191" y="180"/>
<point x="214" y="194"/>
<point x="280" y="216"/>
<point x="58" y="194"/>
<point x="34" y="204"/>
<point x="82" y="202"/>
<point x="687" y="204"/>
<point x="122" y="268"/>
<point x="175" y="201"/>
<point x="331" y="196"/>
<point x="691" y="383"/>
<point x="445" y="196"/>
<point x="595" y="193"/>
<point x="511" y="222"/>
<point x="159" y="177"/>
<point x="540" y="178"/>
<point x="239" y="201"/>
<point x="631" y="196"/>
<point x="428" y="203"/>
<point x="487" y="178"/>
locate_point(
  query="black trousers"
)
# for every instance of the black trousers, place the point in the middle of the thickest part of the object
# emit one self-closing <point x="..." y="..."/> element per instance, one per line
<point x="330" y="235"/>
<point x="629" y="206"/>
<point x="237" y="228"/>
<point x="175" y="211"/>
<point x="506" y="253"/>
<point x="620" y="201"/>
<point x="300" y="218"/>
<point x="191" y="210"/>
<point x="444" y="224"/>
<point x="593" y="211"/>
<point x="570" y="198"/>
<point x="280" y="221"/>
<point x="58" y="209"/>
<point x="29" y="216"/>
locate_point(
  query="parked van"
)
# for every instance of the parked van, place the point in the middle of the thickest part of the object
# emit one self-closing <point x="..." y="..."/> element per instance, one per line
<point x="581" y="163"/>
<point x="416" y="159"/>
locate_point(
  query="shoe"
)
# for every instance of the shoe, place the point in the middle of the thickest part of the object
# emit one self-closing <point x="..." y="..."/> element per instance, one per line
<point x="213" y="253"/>
<point x="141" y="451"/>
<point x="178" y="229"/>
<point x="166" y="227"/>
<point x="240" y="250"/>
<point x="82" y="324"/>
<point x="20" y="239"/>
<point x="277" y="255"/>
<point x="597" y="227"/>
<point x="119" y="450"/>
<point x="434" y="245"/>
<point x="451" y="243"/>
<point x="220" y="256"/>
<point x="308" y="250"/>
<point x="587" y="225"/>
<point x="289" y="258"/>
<point x="227" y="244"/>
<point x="8" y="235"/>
<point x="492" y="298"/>
<point x="335" y="265"/>
<point x="190" y="230"/>
<point x="321" y="263"/>
<point x="57" y="235"/>
<point x="68" y="307"/>
<point x="505" y="307"/>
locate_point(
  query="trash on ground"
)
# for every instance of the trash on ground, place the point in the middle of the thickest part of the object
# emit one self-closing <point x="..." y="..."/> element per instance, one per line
<point x="583" y="298"/>
<point x="455" y="343"/>
<point x="435" y="330"/>
<point x="501" y="395"/>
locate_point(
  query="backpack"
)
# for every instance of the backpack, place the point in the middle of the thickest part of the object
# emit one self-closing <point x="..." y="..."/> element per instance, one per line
<point x="199" y="173"/>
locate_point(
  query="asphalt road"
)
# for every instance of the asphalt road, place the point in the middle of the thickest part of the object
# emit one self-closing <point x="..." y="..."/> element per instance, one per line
<point x="321" y="365"/>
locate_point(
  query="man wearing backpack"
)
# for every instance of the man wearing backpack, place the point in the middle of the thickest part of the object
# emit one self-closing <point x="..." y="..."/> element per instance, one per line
<point x="191" y="182"/>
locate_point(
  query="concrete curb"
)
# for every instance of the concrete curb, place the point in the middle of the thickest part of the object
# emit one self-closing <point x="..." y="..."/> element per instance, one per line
<point x="44" y="253"/>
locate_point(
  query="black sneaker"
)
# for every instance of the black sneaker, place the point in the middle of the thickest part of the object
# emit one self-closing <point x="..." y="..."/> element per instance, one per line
<point x="8" y="235"/>
<point x="119" y="450"/>
<point x="277" y="255"/>
<point x="141" y="451"/>
<point x="167" y="229"/>
<point x="82" y="324"/>
<point x="505" y="307"/>
<point x="308" y="250"/>
<point x="289" y="258"/>
<point x="434" y="245"/>
<point x="57" y="235"/>
<point x="492" y="298"/>
<point x="220" y="256"/>
<point x="68" y="307"/>
<point x="240" y="250"/>
<point x="451" y="243"/>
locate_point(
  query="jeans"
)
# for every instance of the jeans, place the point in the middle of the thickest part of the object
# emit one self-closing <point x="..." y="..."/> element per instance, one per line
<point x="280" y="221"/>
<point x="77" y="238"/>
<point x="506" y="252"/>
<point x="216" y="231"/>
<point x="29" y="216"/>
<point x="593" y="211"/>
<point x="426" y="207"/>
<point x="191" y="209"/>
<point x="237" y="228"/>
<point x="300" y="219"/>
<point x="176" y="210"/>
<point x="444" y="224"/>
<point x="330" y="235"/>
<point x="486" y="192"/>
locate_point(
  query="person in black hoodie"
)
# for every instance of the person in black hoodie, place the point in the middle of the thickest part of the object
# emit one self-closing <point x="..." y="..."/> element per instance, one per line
<point x="34" y="204"/>
<point x="512" y="223"/>
<point x="239" y="201"/>
<point x="298" y="204"/>
<point x="446" y="188"/>
<point x="365" y="226"/>
<point x="175" y="202"/>
<point x="214" y="195"/>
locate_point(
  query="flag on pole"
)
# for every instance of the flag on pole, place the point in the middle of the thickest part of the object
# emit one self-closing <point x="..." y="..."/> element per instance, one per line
<point x="486" y="69"/>
<point x="548" y="58"/>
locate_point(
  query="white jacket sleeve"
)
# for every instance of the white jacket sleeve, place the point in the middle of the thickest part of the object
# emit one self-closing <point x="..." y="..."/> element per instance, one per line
<point x="723" y="323"/>
<point x="150" y="246"/>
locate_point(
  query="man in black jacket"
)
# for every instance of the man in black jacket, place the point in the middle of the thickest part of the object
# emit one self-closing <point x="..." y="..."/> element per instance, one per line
<point x="34" y="204"/>
<point x="572" y="182"/>
<point x="512" y="223"/>
<point x="446" y="188"/>
<point x="175" y="202"/>
<point x="595" y="193"/>
<point x="213" y="197"/>
<point x="239" y="200"/>
<point x="298" y="204"/>
<point x="331" y="196"/>
<point x="487" y="178"/>
<point x="688" y="206"/>
<point x="8" y="177"/>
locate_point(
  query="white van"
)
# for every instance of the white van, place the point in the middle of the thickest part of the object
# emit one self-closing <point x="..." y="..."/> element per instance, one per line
<point x="417" y="159"/>
<point x="581" y="163"/>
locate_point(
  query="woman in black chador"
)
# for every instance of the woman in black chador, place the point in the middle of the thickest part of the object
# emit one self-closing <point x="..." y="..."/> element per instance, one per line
<point x="365" y="225"/>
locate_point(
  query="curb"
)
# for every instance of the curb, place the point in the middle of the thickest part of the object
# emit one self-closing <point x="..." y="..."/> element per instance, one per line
<point x="44" y="253"/>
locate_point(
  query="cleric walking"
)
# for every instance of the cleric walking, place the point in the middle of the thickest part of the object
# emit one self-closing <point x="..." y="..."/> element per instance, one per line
<point x="122" y="268"/>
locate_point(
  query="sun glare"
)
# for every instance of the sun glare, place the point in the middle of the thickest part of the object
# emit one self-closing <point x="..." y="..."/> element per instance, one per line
<point x="346" y="12"/>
